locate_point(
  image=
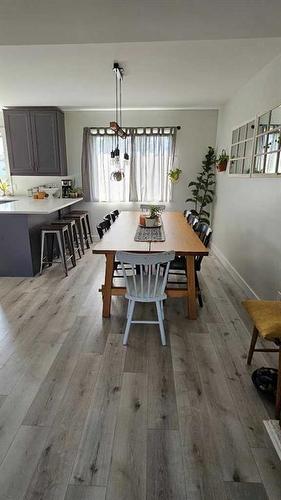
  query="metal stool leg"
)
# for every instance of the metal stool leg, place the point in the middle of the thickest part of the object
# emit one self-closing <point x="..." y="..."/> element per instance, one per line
<point x="85" y="232"/>
<point x="89" y="228"/>
<point x="42" y="250"/>
<point x="80" y="232"/>
<point x="70" y="245"/>
<point x="62" y="251"/>
<point x="75" y="239"/>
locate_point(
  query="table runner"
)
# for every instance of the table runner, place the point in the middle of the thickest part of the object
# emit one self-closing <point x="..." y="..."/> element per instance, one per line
<point x="150" y="234"/>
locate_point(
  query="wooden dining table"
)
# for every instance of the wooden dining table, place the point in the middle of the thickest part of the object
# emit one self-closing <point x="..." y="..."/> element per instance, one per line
<point x="179" y="236"/>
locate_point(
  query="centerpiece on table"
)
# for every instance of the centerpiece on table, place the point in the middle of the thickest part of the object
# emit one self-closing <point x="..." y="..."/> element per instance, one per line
<point x="153" y="219"/>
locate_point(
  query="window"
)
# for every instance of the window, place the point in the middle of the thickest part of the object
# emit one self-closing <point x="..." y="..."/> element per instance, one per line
<point x="241" y="149"/>
<point x="151" y="152"/>
<point x="4" y="171"/>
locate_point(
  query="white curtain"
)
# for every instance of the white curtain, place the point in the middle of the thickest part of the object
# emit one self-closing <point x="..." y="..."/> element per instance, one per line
<point x="146" y="175"/>
<point x="151" y="161"/>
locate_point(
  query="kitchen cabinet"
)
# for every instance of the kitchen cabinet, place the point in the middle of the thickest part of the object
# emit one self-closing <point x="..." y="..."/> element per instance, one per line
<point x="35" y="140"/>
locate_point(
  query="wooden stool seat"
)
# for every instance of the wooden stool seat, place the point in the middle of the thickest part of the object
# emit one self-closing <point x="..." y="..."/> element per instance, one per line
<point x="266" y="316"/>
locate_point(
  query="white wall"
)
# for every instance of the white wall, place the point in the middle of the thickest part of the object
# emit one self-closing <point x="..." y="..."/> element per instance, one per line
<point x="248" y="211"/>
<point x="198" y="131"/>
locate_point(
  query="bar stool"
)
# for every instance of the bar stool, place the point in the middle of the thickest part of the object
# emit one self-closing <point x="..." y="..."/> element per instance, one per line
<point x="63" y="239"/>
<point x="80" y="221"/>
<point x="86" y="214"/>
<point x="72" y="233"/>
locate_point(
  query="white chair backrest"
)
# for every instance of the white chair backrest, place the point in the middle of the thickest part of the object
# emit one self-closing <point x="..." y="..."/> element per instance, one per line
<point x="149" y="282"/>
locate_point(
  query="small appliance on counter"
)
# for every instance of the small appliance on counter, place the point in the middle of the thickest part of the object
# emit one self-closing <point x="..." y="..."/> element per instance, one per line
<point x="66" y="187"/>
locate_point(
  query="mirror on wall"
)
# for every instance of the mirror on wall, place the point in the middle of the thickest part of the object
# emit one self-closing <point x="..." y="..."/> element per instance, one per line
<point x="241" y="149"/>
<point x="256" y="146"/>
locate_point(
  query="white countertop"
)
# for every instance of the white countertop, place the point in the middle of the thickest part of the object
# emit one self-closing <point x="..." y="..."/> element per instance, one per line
<point x="26" y="205"/>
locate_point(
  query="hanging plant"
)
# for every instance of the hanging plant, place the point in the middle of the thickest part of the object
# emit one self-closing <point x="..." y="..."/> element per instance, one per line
<point x="222" y="161"/>
<point x="174" y="175"/>
<point x="117" y="175"/>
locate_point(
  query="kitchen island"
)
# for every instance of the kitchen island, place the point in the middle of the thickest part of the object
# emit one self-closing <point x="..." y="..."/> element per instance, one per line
<point x="21" y="218"/>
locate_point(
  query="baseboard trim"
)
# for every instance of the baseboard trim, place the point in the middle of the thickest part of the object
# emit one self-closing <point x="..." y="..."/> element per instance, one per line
<point x="233" y="272"/>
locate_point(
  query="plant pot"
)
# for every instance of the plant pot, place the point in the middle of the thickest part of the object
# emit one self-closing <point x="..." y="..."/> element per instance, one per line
<point x="222" y="166"/>
<point x="149" y="222"/>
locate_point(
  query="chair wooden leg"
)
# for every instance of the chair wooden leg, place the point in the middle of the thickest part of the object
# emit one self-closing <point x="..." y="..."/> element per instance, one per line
<point x="161" y="326"/>
<point x="129" y="321"/>
<point x="278" y="392"/>
<point x="252" y="346"/>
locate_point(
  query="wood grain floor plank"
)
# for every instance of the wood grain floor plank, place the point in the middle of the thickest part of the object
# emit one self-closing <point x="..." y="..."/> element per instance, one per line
<point x="20" y="462"/>
<point x="162" y="408"/>
<point x="94" y="455"/>
<point x="236" y="458"/>
<point x="46" y="403"/>
<point x="82" y="492"/>
<point x="165" y="476"/>
<point x="270" y="470"/>
<point x="245" y="491"/>
<point x="128" y="468"/>
<point x="52" y="474"/>
<point x="16" y="404"/>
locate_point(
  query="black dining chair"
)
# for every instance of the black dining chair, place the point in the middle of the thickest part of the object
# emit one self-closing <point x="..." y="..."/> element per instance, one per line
<point x="202" y="229"/>
<point x="116" y="213"/>
<point x="113" y="216"/>
<point x="191" y="219"/>
<point x="108" y="217"/>
<point x="178" y="265"/>
<point x="102" y="227"/>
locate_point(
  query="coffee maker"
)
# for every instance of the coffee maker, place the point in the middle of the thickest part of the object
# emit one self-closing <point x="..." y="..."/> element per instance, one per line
<point x="66" y="187"/>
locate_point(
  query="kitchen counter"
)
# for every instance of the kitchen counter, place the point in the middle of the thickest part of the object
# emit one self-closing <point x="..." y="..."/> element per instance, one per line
<point x="21" y="219"/>
<point x="28" y="206"/>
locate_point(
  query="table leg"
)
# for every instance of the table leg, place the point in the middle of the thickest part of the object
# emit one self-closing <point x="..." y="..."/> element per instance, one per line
<point x="106" y="296"/>
<point x="191" y="298"/>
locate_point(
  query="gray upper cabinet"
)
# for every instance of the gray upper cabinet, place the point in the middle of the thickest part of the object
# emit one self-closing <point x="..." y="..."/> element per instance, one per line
<point x="35" y="141"/>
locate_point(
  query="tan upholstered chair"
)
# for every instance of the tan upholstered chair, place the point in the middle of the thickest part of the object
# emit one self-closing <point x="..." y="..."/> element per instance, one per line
<point x="266" y="316"/>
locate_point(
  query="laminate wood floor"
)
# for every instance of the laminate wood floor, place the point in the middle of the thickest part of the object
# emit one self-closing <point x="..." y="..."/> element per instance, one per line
<point x="82" y="417"/>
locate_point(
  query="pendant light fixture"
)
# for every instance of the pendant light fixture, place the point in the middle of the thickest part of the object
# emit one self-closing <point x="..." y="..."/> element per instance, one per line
<point x="116" y="125"/>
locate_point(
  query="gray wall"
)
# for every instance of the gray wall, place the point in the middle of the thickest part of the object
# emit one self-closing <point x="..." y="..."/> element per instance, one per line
<point x="197" y="133"/>
<point x="247" y="211"/>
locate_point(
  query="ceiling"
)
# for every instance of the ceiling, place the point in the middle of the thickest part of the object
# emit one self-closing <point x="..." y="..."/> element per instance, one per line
<point x="176" y="53"/>
<point x="25" y="22"/>
<point x="159" y="74"/>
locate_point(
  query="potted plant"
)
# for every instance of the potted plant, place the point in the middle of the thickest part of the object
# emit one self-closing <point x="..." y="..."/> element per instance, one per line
<point x="153" y="217"/>
<point x="222" y="161"/>
<point x="203" y="189"/>
<point x="4" y="187"/>
<point x="174" y="175"/>
<point x="117" y="175"/>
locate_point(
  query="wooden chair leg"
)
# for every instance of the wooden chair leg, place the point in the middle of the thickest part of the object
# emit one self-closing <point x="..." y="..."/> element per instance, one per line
<point x="252" y="346"/>
<point x="278" y="392"/>
<point x="89" y="227"/>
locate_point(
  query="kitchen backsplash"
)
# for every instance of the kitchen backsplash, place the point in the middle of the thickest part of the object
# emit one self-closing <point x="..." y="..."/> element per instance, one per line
<point x="21" y="183"/>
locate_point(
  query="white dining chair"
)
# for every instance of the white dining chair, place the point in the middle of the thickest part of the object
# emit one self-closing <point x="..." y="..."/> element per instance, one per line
<point x="146" y="285"/>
